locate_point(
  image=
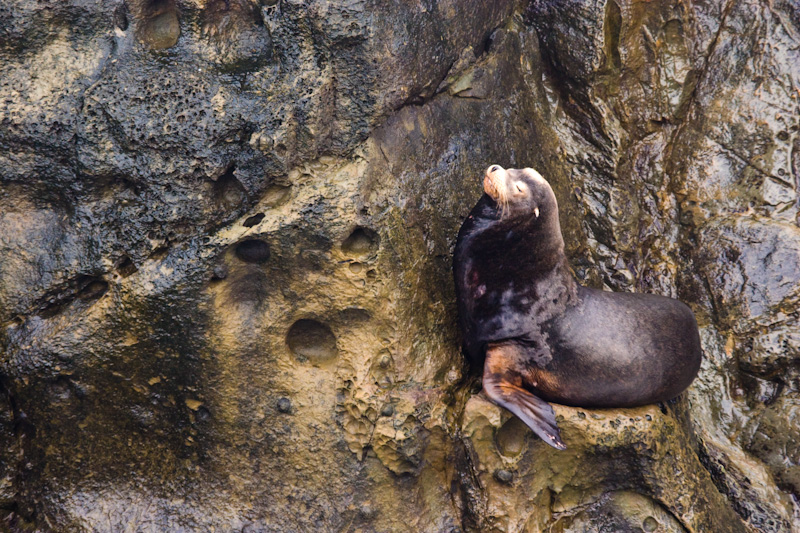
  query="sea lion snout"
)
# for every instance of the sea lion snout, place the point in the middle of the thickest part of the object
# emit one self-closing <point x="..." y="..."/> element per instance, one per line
<point x="494" y="182"/>
<point x="521" y="194"/>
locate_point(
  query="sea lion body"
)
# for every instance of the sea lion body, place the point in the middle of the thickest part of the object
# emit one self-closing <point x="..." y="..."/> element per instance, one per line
<point x="620" y="350"/>
<point x="539" y="335"/>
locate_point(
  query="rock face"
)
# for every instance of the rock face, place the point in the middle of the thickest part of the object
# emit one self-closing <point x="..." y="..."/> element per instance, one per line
<point x="225" y="240"/>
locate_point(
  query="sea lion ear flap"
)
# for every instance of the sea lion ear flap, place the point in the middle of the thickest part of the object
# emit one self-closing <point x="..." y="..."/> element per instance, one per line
<point x="535" y="412"/>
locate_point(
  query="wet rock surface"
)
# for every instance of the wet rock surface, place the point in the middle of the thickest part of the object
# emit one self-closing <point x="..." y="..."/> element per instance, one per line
<point x="225" y="242"/>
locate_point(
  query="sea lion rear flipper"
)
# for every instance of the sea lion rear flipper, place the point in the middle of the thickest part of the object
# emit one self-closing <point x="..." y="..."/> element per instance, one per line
<point x="499" y="385"/>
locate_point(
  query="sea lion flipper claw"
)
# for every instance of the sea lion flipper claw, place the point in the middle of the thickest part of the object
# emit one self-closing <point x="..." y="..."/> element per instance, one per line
<point x="535" y="412"/>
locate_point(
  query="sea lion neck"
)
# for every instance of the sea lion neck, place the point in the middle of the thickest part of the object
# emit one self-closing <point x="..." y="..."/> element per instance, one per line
<point x="532" y="244"/>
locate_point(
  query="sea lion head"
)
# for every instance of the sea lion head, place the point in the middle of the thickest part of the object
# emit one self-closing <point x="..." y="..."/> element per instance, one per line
<point x="520" y="194"/>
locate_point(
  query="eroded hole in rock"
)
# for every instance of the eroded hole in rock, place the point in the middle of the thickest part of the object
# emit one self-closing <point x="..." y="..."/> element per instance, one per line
<point x="202" y="414"/>
<point x="284" y="405"/>
<point x="363" y="242"/>
<point x="125" y="267"/>
<point x="60" y="389"/>
<point x="510" y="438"/>
<point x="53" y="308"/>
<point x="673" y="32"/>
<point x="253" y="220"/>
<point x="228" y="190"/>
<point x="503" y="476"/>
<point x="276" y="195"/>
<point x="221" y="18"/>
<point x="252" y="251"/>
<point x="121" y="16"/>
<point x="157" y="22"/>
<point x="486" y="44"/>
<point x="385" y="361"/>
<point x="159" y="253"/>
<point x="85" y="288"/>
<point x="311" y="340"/>
<point x="93" y="289"/>
<point x="354" y="315"/>
<point x="611" y="32"/>
<point x="219" y="273"/>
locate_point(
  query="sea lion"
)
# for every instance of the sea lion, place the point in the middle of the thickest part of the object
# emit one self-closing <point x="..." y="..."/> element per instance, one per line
<point x="540" y="336"/>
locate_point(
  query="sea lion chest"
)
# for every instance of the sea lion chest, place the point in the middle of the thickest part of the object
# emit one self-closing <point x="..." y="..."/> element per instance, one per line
<point x="501" y="302"/>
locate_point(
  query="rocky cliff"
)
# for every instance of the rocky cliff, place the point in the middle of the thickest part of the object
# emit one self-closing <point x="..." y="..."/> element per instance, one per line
<point x="226" y="229"/>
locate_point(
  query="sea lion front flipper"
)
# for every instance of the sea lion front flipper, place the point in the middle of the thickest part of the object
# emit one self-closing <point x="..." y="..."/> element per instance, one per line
<point x="503" y="386"/>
